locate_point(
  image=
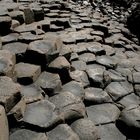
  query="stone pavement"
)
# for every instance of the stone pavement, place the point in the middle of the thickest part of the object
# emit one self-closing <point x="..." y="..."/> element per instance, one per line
<point x="68" y="71"/>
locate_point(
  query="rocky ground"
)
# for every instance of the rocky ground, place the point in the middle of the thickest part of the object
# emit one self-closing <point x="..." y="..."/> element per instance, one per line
<point x="68" y="71"/>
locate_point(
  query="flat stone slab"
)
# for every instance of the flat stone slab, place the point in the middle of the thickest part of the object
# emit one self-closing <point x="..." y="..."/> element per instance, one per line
<point x="85" y="129"/>
<point x="25" y="134"/>
<point x="32" y="93"/>
<point x="4" y="133"/>
<point x="102" y="114"/>
<point x="110" y="132"/>
<point x="119" y="89"/>
<point x="41" y="114"/>
<point x="75" y="88"/>
<point x="96" y="96"/>
<point x="9" y="93"/>
<point x="49" y="82"/>
<point x="62" y="132"/>
<point x="69" y="106"/>
<point x="27" y="73"/>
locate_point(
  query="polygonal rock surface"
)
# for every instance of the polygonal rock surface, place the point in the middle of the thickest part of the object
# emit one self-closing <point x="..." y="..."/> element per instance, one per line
<point x="128" y="100"/>
<point x="107" y="61"/>
<point x="69" y="106"/>
<point x="87" y="57"/>
<point x="32" y="93"/>
<point x="16" y="48"/>
<point x="110" y="132"/>
<point x="59" y="63"/>
<point x="129" y="121"/>
<point x="119" y="89"/>
<point x="85" y="129"/>
<point x="96" y="77"/>
<point x="104" y="113"/>
<point x="96" y="95"/>
<point x="41" y="114"/>
<point x="62" y="132"/>
<point x="27" y="73"/>
<point x="80" y="76"/>
<point x="49" y="82"/>
<point x="6" y="67"/>
<point x="9" y="93"/>
<point x="25" y="134"/>
<point x="75" y="88"/>
<point x="4" y="132"/>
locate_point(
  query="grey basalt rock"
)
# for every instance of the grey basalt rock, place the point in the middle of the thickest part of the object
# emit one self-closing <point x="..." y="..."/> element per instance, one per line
<point x="41" y="115"/>
<point x="103" y="113"/>
<point x="85" y="129"/>
<point x="128" y="121"/>
<point x="16" y="48"/>
<point x="50" y="83"/>
<point x="4" y="133"/>
<point x="110" y="132"/>
<point x="31" y="93"/>
<point x="119" y="89"/>
<point x="9" y="93"/>
<point x="96" y="96"/>
<point x="27" y="73"/>
<point x="62" y="132"/>
<point x="25" y="134"/>
<point x="70" y="107"/>
<point x="75" y="88"/>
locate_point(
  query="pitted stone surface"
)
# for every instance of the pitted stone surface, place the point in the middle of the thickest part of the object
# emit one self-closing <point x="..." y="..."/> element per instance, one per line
<point x="104" y="113"/>
<point x="42" y="114"/>
<point x="85" y="129"/>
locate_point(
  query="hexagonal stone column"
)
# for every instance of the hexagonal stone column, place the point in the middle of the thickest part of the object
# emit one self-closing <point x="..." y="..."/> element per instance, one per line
<point x="4" y="130"/>
<point x="9" y="93"/>
<point x="27" y="73"/>
<point x="63" y="132"/>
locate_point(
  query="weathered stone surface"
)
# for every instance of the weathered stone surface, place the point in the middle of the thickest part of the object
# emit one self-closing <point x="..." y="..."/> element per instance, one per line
<point x="79" y="65"/>
<point x="16" y="48"/>
<point x="85" y="129"/>
<point x="9" y="93"/>
<point x="96" y="96"/>
<point x="104" y="113"/>
<point x="106" y="61"/>
<point x="75" y="88"/>
<point x="69" y="106"/>
<point x="25" y="134"/>
<point x="49" y="82"/>
<point x="62" y="132"/>
<point x="87" y="57"/>
<point x="137" y="89"/>
<point x="4" y="132"/>
<point x="119" y="89"/>
<point x="128" y="100"/>
<point x="27" y="73"/>
<point x="128" y="121"/>
<point x="110" y="132"/>
<point x="80" y="76"/>
<point x="32" y="94"/>
<point x="42" y="114"/>
<point x="17" y="112"/>
<point x="96" y="77"/>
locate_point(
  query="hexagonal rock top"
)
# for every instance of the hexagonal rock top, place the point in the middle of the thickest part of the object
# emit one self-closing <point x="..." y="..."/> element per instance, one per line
<point x="69" y="106"/>
<point x="27" y="73"/>
<point x="9" y="93"/>
<point x="103" y="113"/>
<point x="42" y="115"/>
<point x="25" y="134"/>
<point x="4" y="132"/>
<point x="62" y="132"/>
<point x="85" y="129"/>
<point x="49" y="82"/>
